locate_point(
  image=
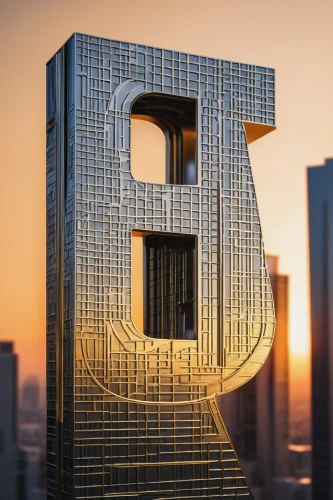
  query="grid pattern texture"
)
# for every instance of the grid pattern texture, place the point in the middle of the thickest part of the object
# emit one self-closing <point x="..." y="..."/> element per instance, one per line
<point x="132" y="416"/>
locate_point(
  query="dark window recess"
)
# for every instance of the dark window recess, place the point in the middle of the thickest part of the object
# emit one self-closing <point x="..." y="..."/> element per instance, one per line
<point x="170" y="285"/>
<point x="176" y="117"/>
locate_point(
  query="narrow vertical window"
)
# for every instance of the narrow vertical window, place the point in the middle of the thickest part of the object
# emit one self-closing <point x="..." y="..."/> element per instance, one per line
<point x="164" y="285"/>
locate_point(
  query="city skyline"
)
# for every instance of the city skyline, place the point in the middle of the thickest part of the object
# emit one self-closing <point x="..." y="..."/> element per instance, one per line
<point x="294" y="38"/>
<point x="226" y="32"/>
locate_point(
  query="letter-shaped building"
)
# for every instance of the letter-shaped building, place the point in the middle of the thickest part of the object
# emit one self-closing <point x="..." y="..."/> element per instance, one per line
<point x="132" y="411"/>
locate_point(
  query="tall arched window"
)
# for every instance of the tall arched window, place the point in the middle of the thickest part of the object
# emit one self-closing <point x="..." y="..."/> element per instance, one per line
<point x="176" y="118"/>
<point x="163" y="151"/>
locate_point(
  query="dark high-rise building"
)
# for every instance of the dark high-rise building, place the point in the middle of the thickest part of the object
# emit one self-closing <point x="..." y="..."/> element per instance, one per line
<point x="256" y="414"/>
<point x="30" y="394"/>
<point x="320" y="203"/>
<point x="132" y="411"/>
<point x="12" y="459"/>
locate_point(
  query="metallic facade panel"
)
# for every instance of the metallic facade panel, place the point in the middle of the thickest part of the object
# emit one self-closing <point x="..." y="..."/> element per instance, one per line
<point x="130" y="415"/>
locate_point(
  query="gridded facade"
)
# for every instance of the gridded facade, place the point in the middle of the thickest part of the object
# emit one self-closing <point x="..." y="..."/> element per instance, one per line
<point x="134" y="415"/>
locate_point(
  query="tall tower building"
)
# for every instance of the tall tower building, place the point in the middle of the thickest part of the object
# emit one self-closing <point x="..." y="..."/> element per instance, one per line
<point x="30" y="394"/>
<point x="320" y="205"/>
<point x="278" y="370"/>
<point x="11" y="469"/>
<point x="132" y="402"/>
<point x="256" y="415"/>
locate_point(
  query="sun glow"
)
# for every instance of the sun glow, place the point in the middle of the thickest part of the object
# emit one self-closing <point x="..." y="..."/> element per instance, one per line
<point x="299" y="341"/>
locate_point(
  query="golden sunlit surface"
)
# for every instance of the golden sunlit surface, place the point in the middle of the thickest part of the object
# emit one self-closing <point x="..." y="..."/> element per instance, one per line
<point x="256" y="130"/>
<point x="295" y="38"/>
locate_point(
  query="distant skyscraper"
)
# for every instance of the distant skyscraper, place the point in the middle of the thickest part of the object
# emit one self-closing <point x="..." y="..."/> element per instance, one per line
<point x="30" y="394"/>
<point x="31" y="435"/>
<point x="301" y="460"/>
<point x="320" y="203"/>
<point x="12" y="460"/>
<point x="291" y="488"/>
<point x="256" y="414"/>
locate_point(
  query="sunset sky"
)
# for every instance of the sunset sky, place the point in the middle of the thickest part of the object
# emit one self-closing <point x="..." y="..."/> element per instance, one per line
<point x="293" y="36"/>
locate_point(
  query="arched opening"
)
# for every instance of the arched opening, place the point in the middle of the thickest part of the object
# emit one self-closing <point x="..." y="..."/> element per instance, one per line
<point x="164" y="284"/>
<point x="148" y="151"/>
<point x="174" y="159"/>
<point x="163" y="151"/>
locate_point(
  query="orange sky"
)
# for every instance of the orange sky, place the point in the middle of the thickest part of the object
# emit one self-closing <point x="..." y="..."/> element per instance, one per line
<point x="293" y="36"/>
